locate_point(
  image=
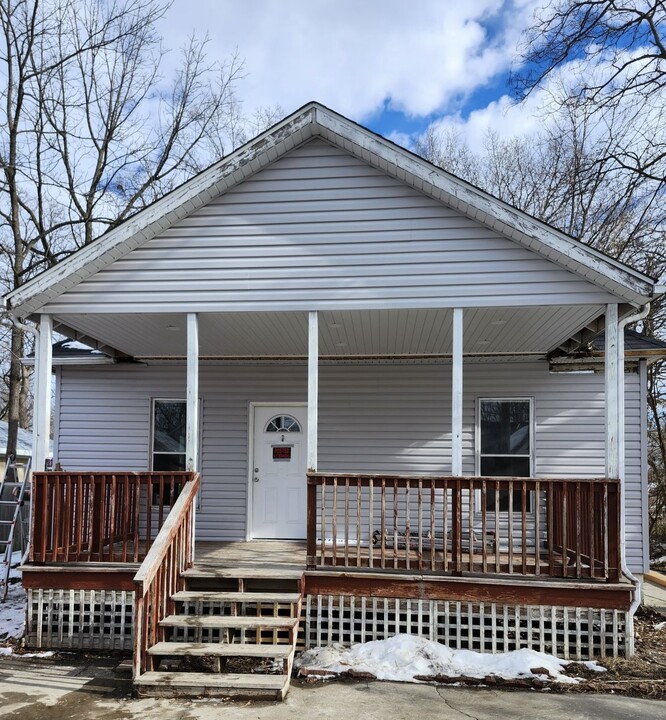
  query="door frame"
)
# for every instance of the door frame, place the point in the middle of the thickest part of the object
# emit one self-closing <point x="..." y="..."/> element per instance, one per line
<point x="253" y="405"/>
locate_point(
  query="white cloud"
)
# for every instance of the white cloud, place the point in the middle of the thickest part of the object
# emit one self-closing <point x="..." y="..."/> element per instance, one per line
<point x="421" y="56"/>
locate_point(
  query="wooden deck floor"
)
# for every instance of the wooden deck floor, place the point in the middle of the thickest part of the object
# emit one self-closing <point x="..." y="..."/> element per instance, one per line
<point x="260" y="554"/>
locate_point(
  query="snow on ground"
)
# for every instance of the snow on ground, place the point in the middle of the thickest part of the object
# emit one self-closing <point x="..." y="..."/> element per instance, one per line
<point x="12" y="611"/>
<point x="405" y="657"/>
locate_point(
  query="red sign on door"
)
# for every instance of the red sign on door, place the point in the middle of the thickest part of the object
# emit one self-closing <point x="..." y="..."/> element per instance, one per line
<point x="281" y="452"/>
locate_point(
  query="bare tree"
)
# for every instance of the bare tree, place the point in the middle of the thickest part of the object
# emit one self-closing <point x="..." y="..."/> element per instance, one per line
<point x="91" y="132"/>
<point x="615" y="54"/>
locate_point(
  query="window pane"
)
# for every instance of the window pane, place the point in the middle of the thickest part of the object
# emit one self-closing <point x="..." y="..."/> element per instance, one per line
<point x="505" y="466"/>
<point x="166" y="462"/>
<point x="505" y="427"/>
<point x="169" y="430"/>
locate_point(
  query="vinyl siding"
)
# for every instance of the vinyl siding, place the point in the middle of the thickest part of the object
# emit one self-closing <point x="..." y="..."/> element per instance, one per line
<point x="373" y="418"/>
<point x="320" y="229"/>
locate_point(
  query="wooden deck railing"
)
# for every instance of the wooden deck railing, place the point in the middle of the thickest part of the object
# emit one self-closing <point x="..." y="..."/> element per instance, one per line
<point x="160" y="574"/>
<point x="99" y="517"/>
<point x="534" y="527"/>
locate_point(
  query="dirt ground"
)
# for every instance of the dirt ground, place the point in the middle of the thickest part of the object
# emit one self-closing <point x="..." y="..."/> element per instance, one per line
<point x="643" y="675"/>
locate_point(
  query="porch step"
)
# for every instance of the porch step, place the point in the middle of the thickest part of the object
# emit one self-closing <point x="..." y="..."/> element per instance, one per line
<point x="246" y="650"/>
<point x="243" y="573"/>
<point x="222" y="622"/>
<point x="192" y="596"/>
<point x="185" y="684"/>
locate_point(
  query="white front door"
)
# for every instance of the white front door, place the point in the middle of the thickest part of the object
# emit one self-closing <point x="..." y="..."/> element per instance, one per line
<point x="279" y="467"/>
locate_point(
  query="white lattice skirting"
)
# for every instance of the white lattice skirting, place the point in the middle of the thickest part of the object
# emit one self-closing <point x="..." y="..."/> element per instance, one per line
<point x="80" y="619"/>
<point x="103" y="620"/>
<point x="570" y="633"/>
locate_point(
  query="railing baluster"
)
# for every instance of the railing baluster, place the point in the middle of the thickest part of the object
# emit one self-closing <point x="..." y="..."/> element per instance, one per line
<point x="371" y="523"/>
<point x="579" y="534"/>
<point x="484" y="527"/>
<point x="565" y="532"/>
<point x="323" y="522"/>
<point x="408" y="530"/>
<point x="346" y="550"/>
<point x="591" y="510"/>
<point x="419" y="508"/>
<point x="395" y="523"/>
<point x="359" y="520"/>
<point x="537" y="527"/>
<point x="498" y="527"/>
<point x="433" y="532"/>
<point x="510" y="519"/>
<point x="472" y="534"/>
<point x="523" y="520"/>
<point x="382" y="531"/>
<point x="445" y="526"/>
<point x="334" y="522"/>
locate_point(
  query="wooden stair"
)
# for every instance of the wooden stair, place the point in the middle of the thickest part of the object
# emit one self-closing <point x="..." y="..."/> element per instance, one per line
<point x="233" y="634"/>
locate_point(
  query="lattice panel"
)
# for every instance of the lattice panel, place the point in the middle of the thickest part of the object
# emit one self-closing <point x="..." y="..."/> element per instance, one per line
<point x="82" y="619"/>
<point x="570" y="633"/>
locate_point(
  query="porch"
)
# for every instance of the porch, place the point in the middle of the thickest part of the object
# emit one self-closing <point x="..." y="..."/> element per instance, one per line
<point x="431" y="556"/>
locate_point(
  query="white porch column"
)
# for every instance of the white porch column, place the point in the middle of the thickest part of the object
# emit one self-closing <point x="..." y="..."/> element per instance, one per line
<point x="457" y="393"/>
<point x="313" y="389"/>
<point x="42" y="401"/>
<point x="192" y="429"/>
<point x="611" y="387"/>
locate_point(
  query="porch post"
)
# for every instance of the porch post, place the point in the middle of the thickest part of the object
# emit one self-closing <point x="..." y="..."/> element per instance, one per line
<point x="192" y="428"/>
<point x="42" y="402"/>
<point x="457" y="393"/>
<point x="313" y="388"/>
<point x="611" y="387"/>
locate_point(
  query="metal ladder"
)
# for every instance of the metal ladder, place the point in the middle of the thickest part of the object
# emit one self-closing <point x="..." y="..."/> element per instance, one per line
<point x="13" y="488"/>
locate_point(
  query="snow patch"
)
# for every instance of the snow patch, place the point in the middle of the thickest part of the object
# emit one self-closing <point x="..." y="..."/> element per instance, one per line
<point x="660" y="626"/>
<point x="594" y="666"/>
<point x="403" y="658"/>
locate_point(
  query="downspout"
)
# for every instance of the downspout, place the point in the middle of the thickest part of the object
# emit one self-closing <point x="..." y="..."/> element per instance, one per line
<point x="640" y="315"/>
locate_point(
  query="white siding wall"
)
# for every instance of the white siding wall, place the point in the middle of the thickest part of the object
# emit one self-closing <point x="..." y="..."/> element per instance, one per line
<point x="319" y="229"/>
<point x="373" y="418"/>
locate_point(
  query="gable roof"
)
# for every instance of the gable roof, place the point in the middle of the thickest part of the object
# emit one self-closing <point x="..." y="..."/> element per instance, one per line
<point x="310" y="121"/>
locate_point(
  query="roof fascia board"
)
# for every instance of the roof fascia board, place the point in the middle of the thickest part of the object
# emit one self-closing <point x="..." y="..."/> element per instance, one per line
<point x="463" y="196"/>
<point x="161" y="214"/>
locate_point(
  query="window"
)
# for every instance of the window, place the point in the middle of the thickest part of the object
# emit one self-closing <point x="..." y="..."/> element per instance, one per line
<point x="504" y="442"/>
<point x="283" y="423"/>
<point x="169" y="424"/>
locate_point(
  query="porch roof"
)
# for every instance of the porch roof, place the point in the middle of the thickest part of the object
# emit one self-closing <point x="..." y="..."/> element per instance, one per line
<point x="314" y="120"/>
<point x="527" y="332"/>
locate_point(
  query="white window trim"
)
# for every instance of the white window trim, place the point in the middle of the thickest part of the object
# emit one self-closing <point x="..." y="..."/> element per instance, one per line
<point x="151" y="437"/>
<point x="477" y="438"/>
<point x="477" y="430"/>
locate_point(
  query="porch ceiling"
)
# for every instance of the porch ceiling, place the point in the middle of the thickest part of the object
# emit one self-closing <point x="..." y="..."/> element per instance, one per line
<point x="348" y="333"/>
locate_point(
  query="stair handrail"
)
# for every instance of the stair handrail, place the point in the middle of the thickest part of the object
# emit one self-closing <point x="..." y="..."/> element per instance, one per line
<point x="160" y="574"/>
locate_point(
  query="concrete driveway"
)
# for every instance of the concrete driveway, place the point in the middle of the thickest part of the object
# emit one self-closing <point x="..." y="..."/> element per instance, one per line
<point x="81" y="689"/>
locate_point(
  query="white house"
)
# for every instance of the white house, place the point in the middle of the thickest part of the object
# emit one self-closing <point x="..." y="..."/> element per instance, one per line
<point x="359" y="351"/>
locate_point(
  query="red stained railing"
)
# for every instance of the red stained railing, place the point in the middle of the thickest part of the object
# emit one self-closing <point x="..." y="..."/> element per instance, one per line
<point x="160" y="574"/>
<point x="527" y="526"/>
<point x="99" y="517"/>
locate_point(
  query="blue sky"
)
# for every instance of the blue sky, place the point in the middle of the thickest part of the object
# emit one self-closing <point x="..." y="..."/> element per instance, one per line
<point x="396" y="66"/>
